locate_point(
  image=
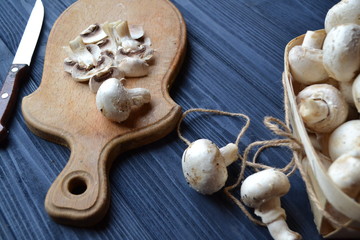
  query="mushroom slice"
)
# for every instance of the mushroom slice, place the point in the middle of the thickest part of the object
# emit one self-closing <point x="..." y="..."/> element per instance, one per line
<point x="134" y="67"/>
<point x="144" y="52"/>
<point x="147" y="41"/>
<point x="96" y="80"/>
<point x="80" y="53"/>
<point x="136" y="31"/>
<point x="147" y="54"/>
<point x="123" y="37"/>
<point x="69" y="64"/>
<point x="108" y="28"/>
<point x="121" y="32"/>
<point x="93" y="34"/>
<point x="94" y="50"/>
<point x="82" y="74"/>
<point x="107" y="44"/>
<point x="104" y="62"/>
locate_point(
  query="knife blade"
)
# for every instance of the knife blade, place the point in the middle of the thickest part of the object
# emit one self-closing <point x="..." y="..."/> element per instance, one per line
<point x="20" y="66"/>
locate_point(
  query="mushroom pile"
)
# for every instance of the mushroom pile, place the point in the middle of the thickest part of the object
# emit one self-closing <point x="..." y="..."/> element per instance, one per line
<point x="111" y="52"/>
<point x="327" y="66"/>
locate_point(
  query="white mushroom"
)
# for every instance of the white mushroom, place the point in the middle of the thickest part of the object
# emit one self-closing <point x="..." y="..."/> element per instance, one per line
<point x="345" y="173"/>
<point x="204" y="165"/>
<point x="107" y="46"/>
<point x="79" y="53"/>
<point x="346" y="89"/>
<point x="306" y="61"/>
<point x="322" y="107"/>
<point x="262" y="191"/>
<point x="356" y="92"/>
<point x="344" y="139"/>
<point x="82" y="74"/>
<point x="341" y="52"/>
<point x="96" y="80"/>
<point x="346" y="11"/>
<point x="69" y="64"/>
<point x="93" y="34"/>
<point x="136" y="31"/>
<point x="115" y="102"/>
<point x="123" y="37"/>
<point x="98" y="48"/>
<point x="134" y="67"/>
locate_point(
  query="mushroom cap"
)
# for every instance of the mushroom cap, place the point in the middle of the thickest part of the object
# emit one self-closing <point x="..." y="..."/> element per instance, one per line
<point x="346" y="11"/>
<point x="307" y="65"/>
<point x="203" y="167"/>
<point x="112" y="100"/>
<point x="263" y="186"/>
<point x="341" y="52"/>
<point x="134" y="67"/>
<point x="344" y="139"/>
<point x="325" y="102"/>
<point x="345" y="172"/>
<point x="346" y="89"/>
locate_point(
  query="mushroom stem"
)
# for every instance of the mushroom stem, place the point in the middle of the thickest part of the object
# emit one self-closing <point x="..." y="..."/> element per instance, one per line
<point x="229" y="153"/>
<point x="313" y="110"/>
<point x="262" y="191"/>
<point x="279" y="230"/>
<point x="274" y="216"/>
<point x="139" y="96"/>
<point x="313" y="39"/>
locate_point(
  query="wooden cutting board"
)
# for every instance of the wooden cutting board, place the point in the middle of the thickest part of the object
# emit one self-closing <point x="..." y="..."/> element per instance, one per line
<point x="64" y="111"/>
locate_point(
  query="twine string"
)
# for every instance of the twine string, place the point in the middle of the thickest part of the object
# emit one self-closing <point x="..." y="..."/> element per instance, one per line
<point x="281" y="129"/>
<point x="241" y="133"/>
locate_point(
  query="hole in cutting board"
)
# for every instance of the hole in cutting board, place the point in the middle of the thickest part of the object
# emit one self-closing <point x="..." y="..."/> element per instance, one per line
<point x="77" y="186"/>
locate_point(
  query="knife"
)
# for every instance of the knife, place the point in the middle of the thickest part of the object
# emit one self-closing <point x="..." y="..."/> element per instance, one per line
<point x="19" y="66"/>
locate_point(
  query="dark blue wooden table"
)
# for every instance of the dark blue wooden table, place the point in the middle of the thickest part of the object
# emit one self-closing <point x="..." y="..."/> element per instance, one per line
<point x="234" y="62"/>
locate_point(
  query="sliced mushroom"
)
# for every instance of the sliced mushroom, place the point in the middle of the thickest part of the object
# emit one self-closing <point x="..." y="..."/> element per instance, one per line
<point x="96" y="80"/>
<point x="136" y="31"/>
<point x="107" y="44"/>
<point x="93" y="34"/>
<point x="134" y="67"/>
<point x="69" y="64"/>
<point x="80" y="53"/>
<point x="94" y="50"/>
<point x="82" y="74"/>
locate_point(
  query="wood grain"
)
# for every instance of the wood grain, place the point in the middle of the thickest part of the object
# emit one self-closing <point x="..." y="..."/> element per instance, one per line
<point x="64" y="111"/>
<point x="234" y="62"/>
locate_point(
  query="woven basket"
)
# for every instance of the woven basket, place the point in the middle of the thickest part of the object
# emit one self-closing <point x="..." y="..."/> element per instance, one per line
<point x="329" y="197"/>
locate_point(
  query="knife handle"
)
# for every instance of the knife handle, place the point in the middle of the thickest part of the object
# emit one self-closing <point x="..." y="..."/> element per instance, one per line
<point x="8" y="95"/>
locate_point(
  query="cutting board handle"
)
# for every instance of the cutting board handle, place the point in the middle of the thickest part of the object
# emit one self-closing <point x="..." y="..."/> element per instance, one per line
<point x="80" y="194"/>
